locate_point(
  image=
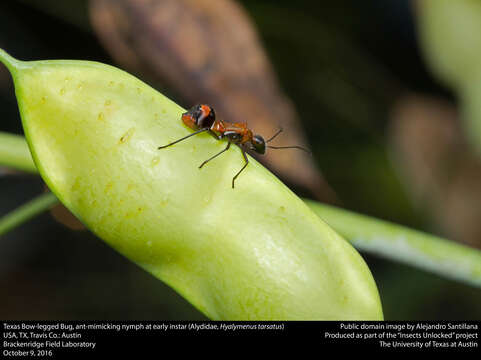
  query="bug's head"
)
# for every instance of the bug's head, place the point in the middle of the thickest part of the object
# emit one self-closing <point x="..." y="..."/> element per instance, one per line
<point x="258" y="144"/>
<point x="199" y="117"/>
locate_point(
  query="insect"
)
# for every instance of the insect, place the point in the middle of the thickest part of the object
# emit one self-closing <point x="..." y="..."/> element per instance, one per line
<point x="201" y="118"/>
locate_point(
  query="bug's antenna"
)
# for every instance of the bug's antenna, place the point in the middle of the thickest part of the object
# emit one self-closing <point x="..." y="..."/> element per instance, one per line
<point x="273" y="136"/>
<point x="290" y="147"/>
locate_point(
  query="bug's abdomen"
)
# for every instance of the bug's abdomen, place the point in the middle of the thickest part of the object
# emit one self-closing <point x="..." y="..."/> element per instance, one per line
<point x="199" y="117"/>
<point x="189" y="120"/>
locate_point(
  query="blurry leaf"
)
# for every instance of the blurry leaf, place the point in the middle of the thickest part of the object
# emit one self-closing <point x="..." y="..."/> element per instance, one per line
<point x="444" y="177"/>
<point x="449" y="34"/>
<point x="462" y="202"/>
<point x="423" y="135"/>
<point x="209" y="52"/>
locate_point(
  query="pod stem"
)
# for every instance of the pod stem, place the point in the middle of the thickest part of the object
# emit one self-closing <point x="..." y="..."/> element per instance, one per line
<point x="27" y="211"/>
<point x="15" y="154"/>
<point x="10" y="62"/>
<point x="415" y="248"/>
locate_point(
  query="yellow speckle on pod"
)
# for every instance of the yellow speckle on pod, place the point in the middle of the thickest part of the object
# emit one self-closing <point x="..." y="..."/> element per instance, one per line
<point x="155" y="161"/>
<point x="127" y="136"/>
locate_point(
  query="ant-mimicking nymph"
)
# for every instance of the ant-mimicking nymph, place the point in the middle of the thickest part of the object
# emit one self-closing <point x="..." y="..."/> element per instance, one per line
<point x="201" y="118"/>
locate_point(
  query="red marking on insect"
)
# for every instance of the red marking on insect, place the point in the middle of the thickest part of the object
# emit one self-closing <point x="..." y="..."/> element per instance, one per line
<point x="201" y="118"/>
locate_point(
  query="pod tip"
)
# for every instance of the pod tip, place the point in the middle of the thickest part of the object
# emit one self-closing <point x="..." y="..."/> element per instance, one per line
<point x="10" y="62"/>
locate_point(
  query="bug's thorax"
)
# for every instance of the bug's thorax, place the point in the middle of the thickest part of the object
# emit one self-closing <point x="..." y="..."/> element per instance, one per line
<point x="219" y="126"/>
<point x="237" y="133"/>
<point x="247" y="136"/>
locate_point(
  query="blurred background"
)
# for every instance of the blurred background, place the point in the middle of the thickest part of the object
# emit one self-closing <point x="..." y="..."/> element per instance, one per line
<point x="363" y="84"/>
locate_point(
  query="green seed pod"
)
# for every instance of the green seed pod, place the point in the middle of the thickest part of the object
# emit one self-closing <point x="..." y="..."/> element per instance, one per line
<point x="255" y="252"/>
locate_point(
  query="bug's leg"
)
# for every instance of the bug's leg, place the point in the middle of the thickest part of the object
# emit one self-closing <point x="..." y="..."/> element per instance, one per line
<point x="247" y="163"/>
<point x="213" y="157"/>
<point x="185" y="137"/>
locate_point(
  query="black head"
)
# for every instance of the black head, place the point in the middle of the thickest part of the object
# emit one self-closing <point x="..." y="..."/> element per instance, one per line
<point x="258" y="144"/>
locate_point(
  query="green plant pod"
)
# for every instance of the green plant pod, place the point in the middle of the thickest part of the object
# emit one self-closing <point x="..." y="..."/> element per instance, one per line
<point x="256" y="252"/>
